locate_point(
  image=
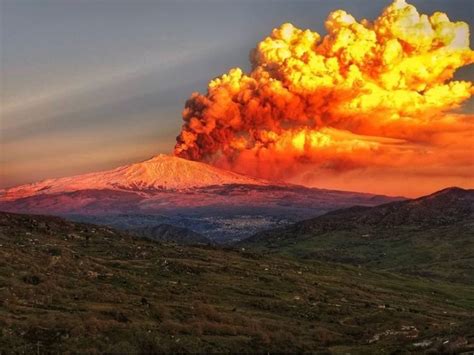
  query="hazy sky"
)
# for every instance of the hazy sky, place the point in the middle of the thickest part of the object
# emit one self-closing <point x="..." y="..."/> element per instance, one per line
<point x="92" y="84"/>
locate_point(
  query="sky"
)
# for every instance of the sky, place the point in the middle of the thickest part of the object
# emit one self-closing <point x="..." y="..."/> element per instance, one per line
<point x="89" y="85"/>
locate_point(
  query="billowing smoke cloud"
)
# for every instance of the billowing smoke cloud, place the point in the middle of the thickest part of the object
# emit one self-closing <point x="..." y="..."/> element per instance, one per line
<point x="366" y="95"/>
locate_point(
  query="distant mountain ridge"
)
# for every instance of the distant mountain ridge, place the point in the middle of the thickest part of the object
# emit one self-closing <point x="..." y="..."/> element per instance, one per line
<point x="447" y="206"/>
<point x="440" y="208"/>
<point x="430" y="235"/>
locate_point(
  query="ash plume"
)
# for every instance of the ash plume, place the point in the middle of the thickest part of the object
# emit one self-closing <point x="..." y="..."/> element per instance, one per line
<point x="368" y="95"/>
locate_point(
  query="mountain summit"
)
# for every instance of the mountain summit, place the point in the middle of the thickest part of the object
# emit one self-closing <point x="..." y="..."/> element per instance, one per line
<point x="168" y="190"/>
<point x="162" y="172"/>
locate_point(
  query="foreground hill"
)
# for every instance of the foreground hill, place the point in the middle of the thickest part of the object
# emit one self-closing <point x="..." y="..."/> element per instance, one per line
<point x="67" y="287"/>
<point x="221" y="205"/>
<point x="431" y="236"/>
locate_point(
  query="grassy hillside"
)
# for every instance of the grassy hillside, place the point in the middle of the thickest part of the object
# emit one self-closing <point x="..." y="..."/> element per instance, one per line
<point x="432" y="236"/>
<point x="169" y="233"/>
<point x="76" y="287"/>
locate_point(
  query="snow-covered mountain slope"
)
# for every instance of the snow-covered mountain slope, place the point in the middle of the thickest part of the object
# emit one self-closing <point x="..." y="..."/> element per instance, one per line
<point x="218" y="204"/>
<point x="162" y="172"/>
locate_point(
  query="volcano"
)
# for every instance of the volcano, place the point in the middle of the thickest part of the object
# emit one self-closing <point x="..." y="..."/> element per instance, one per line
<point x="162" y="172"/>
<point x="219" y="204"/>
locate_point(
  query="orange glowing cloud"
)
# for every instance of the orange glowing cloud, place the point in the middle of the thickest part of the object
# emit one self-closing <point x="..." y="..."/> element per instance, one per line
<point x="368" y="96"/>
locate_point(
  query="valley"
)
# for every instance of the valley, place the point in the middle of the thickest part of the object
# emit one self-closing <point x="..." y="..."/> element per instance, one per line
<point x="75" y="287"/>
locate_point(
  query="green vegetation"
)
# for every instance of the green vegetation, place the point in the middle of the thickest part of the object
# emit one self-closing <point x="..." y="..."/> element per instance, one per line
<point x="70" y="287"/>
<point x="445" y="252"/>
<point x="431" y="237"/>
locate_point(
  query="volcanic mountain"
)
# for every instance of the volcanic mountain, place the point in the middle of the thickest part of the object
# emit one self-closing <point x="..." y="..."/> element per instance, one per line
<point x="169" y="190"/>
<point x="161" y="172"/>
